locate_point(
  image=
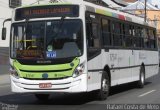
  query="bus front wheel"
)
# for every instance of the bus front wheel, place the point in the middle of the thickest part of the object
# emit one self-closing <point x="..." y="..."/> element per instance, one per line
<point x="42" y="96"/>
<point x="105" y="87"/>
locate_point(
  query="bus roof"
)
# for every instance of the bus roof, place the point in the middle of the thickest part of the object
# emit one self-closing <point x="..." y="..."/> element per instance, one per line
<point x="49" y="4"/>
<point x="107" y="11"/>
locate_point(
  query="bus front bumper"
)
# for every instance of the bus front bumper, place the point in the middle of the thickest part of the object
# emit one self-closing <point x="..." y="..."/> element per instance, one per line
<point x="68" y="85"/>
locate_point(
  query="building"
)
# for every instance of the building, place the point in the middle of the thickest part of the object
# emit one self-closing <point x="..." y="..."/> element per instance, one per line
<point x="153" y="16"/>
<point x="6" y="7"/>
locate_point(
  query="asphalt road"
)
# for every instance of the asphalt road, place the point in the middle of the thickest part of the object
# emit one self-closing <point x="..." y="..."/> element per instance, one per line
<point x="124" y="94"/>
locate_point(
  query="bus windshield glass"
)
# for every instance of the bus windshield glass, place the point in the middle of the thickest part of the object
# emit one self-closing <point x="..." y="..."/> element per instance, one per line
<point x="47" y="39"/>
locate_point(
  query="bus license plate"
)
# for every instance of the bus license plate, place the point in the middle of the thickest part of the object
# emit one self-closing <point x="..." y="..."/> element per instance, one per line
<point x="45" y="85"/>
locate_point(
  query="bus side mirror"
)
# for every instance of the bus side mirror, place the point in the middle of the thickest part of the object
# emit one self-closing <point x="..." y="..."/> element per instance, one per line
<point x="4" y="30"/>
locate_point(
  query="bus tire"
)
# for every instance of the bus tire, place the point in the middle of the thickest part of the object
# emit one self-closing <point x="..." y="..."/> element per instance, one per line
<point x="42" y="96"/>
<point x="141" y="81"/>
<point x="105" y="87"/>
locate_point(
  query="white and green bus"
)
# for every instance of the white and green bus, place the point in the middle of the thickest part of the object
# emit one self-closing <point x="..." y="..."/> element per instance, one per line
<point x="79" y="47"/>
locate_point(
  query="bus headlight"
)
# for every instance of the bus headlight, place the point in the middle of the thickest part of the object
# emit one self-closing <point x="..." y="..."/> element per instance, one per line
<point x="14" y="72"/>
<point x="79" y="70"/>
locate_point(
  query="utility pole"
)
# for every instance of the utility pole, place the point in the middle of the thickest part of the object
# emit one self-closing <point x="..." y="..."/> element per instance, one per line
<point x="38" y="1"/>
<point x="145" y="9"/>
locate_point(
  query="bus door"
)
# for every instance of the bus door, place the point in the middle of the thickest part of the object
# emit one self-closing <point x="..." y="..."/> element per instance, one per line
<point x="93" y="51"/>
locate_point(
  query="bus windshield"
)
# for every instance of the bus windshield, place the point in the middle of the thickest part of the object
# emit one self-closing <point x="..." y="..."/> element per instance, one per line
<point x="47" y="39"/>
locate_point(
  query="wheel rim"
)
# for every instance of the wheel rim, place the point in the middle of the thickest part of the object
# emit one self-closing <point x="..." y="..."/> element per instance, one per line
<point x="105" y="86"/>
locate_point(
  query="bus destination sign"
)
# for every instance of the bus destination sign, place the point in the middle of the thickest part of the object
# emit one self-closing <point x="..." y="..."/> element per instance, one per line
<point x="47" y="11"/>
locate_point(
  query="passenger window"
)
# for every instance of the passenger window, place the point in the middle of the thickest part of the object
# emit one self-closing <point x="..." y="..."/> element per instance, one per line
<point x="106" y="36"/>
<point x="146" y="38"/>
<point x="128" y="35"/>
<point x="137" y="39"/>
<point x="152" y="39"/>
<point x="117" y="38"/>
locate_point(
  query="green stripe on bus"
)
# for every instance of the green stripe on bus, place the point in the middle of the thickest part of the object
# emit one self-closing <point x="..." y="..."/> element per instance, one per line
<point x="50" y="75"/>
<point x="99" y="11"/>
<point x="43" y="68"/>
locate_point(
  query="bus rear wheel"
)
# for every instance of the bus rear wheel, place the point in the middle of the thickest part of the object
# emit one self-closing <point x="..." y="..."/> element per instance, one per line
<point x="105" y="87"/>
<point x="42" y="96"/>
<point x="141" y="81"/>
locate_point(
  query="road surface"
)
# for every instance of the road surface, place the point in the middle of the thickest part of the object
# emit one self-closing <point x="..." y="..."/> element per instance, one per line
<point x="124" y="94"/>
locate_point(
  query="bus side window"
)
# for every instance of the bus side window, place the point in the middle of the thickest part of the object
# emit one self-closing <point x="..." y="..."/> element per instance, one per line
<point x="128" y="35"/>
<point x="137" y="37"/>
<point x="106" y="33"/>
<point x="146" y="38"/>
<point x="116" y="33"/>
<point x="152" y="39"/>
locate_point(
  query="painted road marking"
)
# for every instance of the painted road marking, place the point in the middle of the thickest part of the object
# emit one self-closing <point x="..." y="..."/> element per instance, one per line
<point x="147" y="93"/>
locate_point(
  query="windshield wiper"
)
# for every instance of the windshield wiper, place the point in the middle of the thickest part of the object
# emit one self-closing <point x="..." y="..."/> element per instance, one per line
<point x="59" y="28"/>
